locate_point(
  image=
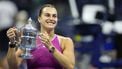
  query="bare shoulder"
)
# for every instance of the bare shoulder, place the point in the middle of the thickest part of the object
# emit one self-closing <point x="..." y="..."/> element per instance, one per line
<point x="63" y="38"/>
<point x="66" y="43"/>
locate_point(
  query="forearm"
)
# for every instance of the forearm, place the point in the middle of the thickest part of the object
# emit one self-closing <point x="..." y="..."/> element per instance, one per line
<point x="3" y="63"/>
<point x="63" y="60"/>
<point x="11" y="57"/>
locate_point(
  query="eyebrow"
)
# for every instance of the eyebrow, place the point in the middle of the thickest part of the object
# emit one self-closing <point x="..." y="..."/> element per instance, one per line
<point x="49" y="13"/>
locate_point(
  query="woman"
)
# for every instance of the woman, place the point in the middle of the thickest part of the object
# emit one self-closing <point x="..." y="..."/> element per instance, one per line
<point x="53" y="51"/>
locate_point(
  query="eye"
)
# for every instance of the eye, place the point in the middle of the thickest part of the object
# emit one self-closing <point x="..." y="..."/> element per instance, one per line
<point x="54" y="15"/>
<point x="47" y="15"/>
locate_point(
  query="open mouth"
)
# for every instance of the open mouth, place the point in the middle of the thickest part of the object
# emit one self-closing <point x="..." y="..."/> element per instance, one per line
<point x="50" y="22"/>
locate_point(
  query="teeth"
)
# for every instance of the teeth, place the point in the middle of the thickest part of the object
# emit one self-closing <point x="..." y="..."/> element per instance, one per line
<point x="51" y="23"/>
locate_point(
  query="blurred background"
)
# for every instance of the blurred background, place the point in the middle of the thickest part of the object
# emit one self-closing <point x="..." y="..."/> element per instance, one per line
<point x="94" y="25"/>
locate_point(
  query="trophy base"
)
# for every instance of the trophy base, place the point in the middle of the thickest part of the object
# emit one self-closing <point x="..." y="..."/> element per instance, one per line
<point x="24" y="56"/>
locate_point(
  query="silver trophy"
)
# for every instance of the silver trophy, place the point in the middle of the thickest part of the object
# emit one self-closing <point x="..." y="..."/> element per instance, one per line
<point x="28" y="39"/>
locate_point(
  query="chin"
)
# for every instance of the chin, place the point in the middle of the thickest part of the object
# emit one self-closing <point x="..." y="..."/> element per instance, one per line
<point x="50" y="27"/>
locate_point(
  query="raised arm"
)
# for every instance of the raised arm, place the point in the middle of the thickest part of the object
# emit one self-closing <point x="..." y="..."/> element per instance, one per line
<point x="13" y="56"/>
<point x="3" y="63"/>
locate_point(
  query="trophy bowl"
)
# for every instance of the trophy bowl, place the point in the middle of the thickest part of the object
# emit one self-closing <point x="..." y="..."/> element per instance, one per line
<point x="28" y="39"/>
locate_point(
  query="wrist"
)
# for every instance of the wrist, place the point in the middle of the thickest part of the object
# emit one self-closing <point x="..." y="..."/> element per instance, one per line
<point x="51" y="49"/>
<point x="12" y="45"/>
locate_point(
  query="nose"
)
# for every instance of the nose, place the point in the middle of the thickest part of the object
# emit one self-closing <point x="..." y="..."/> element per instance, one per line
<point x="51" y="18"/>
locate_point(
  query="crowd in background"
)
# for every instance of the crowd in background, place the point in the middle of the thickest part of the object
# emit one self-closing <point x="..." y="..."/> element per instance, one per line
<point x="97" y="43"/>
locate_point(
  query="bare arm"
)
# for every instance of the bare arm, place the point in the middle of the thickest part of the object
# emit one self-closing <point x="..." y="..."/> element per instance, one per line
<point x="13" y="56"/>
<point x="3" y="63"/>
<point x="67" y="59"/>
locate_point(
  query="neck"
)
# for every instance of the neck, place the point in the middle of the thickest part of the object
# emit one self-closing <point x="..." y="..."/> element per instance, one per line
<point x="49" y="32"/>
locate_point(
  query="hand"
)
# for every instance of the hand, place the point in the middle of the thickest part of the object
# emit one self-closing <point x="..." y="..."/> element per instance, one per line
<point x="45" y="40"/>
<point x="12" y="34"/>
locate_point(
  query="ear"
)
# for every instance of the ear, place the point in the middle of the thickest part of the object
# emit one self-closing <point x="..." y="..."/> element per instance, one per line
<point x="39" y="20"/>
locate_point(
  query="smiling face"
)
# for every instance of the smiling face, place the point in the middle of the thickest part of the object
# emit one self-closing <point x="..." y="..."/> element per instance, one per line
<point x="48" y="18"/>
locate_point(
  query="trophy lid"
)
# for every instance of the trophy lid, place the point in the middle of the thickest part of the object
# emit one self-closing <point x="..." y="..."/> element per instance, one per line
<point x="29" y="25"/>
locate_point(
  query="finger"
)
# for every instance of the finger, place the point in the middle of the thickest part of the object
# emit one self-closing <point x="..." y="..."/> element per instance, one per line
<point x="46" y="33"/>
<point x="46" y="44"/>
<point x="43" y="42"/>
<point x="11" y="30"/>
<point x="14" y="29"/>
<point x="11" y="34"/>
<point x="41" y="34"/>
<point x="43" y="39"/>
